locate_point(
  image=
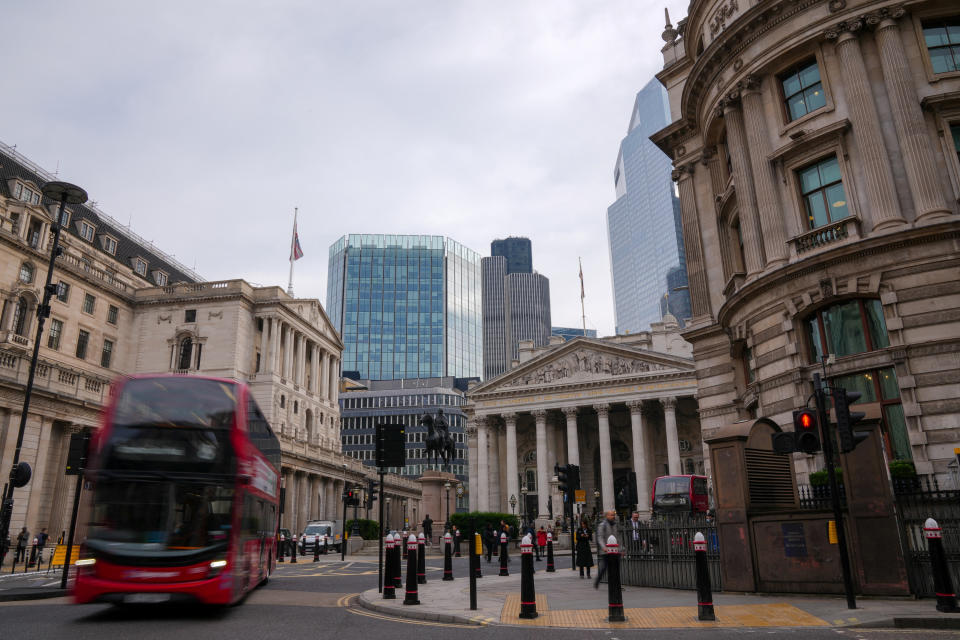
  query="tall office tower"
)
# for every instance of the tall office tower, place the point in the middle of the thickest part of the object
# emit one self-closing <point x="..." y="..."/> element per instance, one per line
<point x="517" y="251"/>
<point x="569" y="333"/>
<point x="406" y="306"/>
<point x="643" y="223"/>
<point x="516" y="306"/>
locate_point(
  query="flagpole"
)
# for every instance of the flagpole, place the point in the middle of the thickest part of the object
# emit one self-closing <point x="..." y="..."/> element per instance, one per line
<point x="583" y="311"/>
<point x="293" y="242"/>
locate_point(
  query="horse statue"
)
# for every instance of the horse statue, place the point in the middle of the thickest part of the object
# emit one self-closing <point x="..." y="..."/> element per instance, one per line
<point x="440" y="446"/>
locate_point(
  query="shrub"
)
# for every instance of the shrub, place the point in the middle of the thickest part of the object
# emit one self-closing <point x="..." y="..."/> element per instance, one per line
<point x="902" y="470"/>
<point x="821" y="479"/>
<point x="476" y="521"/>
<point x="369" y="529"/>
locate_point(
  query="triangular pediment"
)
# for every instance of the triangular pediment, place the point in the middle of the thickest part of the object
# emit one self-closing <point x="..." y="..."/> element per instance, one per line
<point x="586" y="360"/>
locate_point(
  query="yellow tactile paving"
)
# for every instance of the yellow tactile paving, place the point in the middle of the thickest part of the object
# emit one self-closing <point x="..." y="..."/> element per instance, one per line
<point x="753" y="615"/>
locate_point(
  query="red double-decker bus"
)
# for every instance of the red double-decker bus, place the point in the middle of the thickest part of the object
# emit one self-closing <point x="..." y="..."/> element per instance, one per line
<point x="184" y="502"/>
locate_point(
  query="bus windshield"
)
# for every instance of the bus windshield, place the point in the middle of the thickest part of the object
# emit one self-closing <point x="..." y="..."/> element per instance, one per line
<point x="672" y="486"/>
<point x="172" y="424"/>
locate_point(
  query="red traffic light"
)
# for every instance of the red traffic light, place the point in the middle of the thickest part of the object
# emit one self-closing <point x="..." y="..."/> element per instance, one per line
<point x="806" y="432"/>
<point x="806" y="420"/>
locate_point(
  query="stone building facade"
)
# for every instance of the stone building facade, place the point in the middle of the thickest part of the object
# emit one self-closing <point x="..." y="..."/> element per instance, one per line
<point x="815" y="146"/>
<point x="610" y="405"/>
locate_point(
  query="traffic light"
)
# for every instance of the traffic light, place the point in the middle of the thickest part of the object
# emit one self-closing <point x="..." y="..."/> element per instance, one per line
<point x="806" y="430"/>
<point x="573" y="481"/>
<point x="848" y="438"/>
<point x="351" y="498"/>
<point x="563" y="478"/>
<point x="371" y="492"/>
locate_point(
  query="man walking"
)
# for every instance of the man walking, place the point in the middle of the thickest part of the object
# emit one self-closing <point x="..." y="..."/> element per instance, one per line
<point x="42" y="538"/>
<point x="604" y="530"/>
<point x="635" y="530"/>
<point x="22" y="539"/>
<point x="427" y="528"/>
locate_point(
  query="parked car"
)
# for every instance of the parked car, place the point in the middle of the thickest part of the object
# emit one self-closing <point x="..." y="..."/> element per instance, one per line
<point x="325" y="532"/>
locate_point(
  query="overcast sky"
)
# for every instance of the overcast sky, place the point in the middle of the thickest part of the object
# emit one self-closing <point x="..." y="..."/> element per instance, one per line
<point x="203" y="124"/>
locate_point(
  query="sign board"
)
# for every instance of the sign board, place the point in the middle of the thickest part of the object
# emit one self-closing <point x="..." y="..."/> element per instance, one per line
<point x="391" y="442"/>
<point x="581" y="496"/>
<point x="794" y="540"/>
<point x="60" y="553"/>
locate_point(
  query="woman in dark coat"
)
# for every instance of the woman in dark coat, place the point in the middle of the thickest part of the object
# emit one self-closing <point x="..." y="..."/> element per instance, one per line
<point x="584" y="553"/>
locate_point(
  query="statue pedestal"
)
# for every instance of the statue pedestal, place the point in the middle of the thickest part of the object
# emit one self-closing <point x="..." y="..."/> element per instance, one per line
<point x="434" y="502"/>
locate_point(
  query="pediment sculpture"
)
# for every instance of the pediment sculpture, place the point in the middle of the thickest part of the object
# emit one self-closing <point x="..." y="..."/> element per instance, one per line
<point x="584" y="365"/>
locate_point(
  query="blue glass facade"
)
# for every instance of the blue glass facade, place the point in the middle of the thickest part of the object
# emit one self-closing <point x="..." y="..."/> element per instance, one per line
<point x="406" y="306"/>
<point x="570" y="333"/>
<point x="643" y="225"/>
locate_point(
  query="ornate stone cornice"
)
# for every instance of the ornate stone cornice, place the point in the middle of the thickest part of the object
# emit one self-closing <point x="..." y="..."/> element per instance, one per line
<point x="635" y="406"/>
<point x="539" y="414"/>
<point x="602" y="409"/>
<point x="570" y="411"/>
<point x="683" y="171"/>
<point x="852" y="26"/>
<point x="669" y="403"/>
<point x="509" y="417"/>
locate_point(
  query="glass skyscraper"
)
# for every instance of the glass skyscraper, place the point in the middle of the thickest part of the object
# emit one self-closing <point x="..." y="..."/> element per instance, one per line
<point x="643" y="225"/>
<point x="406" y="306"/>
<point x="517" y="251"/>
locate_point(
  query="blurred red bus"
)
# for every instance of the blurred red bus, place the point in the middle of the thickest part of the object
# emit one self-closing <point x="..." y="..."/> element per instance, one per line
<point x="185" y="494"/>
<point x="680" y="495"/>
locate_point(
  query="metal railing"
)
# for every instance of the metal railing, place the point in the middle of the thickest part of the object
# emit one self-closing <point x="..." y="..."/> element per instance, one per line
<point x="916" y="500"/>
<point x="660" y="552"/>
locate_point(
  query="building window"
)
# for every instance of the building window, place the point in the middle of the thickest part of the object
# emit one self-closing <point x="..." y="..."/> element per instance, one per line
<point x="186" y="350"/>
<point x="20" y="314"/>
<point x="140" y="266"/>
<point x="110" y="245"/>
<point x="955" y="130"/>
<point x="106" y="354"/>
<point x="56" y="330"/>
<point x="160" y="278"/>
<point x="802" y="90"/>
<point x="82" y="340"/>
<point x="64" y="218"/>
<point x="89" y="303"/>
<point x="848" y="328"/>
<point x="26" y="273"/>
<point x="63" y="291"/>
<point x="943" y="42"/>
<point x="112" y="314"/>
<point x="748" y="373"/>
<point x="283" y="401"/>
<point x="823" y="195"/>
<point x="190" y="315"/>
<point x="86" y="231"/>
<point x="881" y="386"/>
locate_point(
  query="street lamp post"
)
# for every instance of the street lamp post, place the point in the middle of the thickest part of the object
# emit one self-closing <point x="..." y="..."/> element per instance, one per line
<point x="523" y="502"/>
<point x="447" y="485"/>
<point x="355" y="528"/>
<point x="64" y="193"/>
<point x="405" y="527"/>
<point x="387" y="499"/>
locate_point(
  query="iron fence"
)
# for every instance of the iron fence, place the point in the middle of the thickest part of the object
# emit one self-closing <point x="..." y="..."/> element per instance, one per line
<point x="818" y="498"/>
<point x="659" y="553"/>
<point x="916" y="500"/>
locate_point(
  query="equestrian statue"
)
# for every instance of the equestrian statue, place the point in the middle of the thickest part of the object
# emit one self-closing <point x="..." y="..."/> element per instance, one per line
<point x="440" y="445"/>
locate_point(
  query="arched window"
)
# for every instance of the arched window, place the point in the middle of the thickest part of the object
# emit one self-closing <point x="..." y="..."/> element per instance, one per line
<point x="847" y="328"/>
<point x="26" y="273"/>
<point x="20" y="315"/>
<point x="186" y="350"/>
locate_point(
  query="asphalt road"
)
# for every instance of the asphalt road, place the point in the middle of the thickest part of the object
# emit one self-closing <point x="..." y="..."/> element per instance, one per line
<point x="316" y="601"/>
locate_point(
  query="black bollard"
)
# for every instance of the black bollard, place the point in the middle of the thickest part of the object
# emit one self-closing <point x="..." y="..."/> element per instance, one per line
<point x="421" y="559"/>
<point x="614" y="591"/>
<point x="704" y="591"/>
<point x="447" y="557"/>
<point x="33" y="555"/>
<point x="317" y="541"/>
<point x="411" y="597"/>
<point x="397" y="565"/>
<point x="404" y="550"/>
<point x="942" y="582"/>
<point x="389" y="586"/>
<point x="456" y="547"/>
<point x="528" y="594"/>
<point x="504" y="555"/>
<point x="280" y="548"/>
<point x="550" y="567"/>
<point x="293" y="552"/>
<point x="478" y="549"/>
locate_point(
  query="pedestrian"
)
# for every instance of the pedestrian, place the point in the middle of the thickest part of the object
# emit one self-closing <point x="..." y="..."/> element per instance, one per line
<point x="584" y="554"/>
<point x="635" y="530"/>
<point x="427" y="528"/>
<point x="604" y="530"/>
<point x="42" y="538"/>
<point x="22" y="540"/>
<point x="489" y="539"/>
<point x="541" y="542"/>
<point x="456" y="540"/>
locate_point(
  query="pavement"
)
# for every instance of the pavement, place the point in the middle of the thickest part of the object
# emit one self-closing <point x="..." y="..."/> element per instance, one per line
<point x="30" y="585"/>
<point x="564" y="600"/>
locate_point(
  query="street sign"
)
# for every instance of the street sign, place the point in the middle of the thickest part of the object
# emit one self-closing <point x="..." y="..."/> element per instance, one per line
<point x="60" y="554"/>
<point x="581" y="496"/>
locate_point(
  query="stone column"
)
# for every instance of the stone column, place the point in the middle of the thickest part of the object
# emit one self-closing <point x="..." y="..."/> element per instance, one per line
<point x="334" y="379"/>
<point x="743" y="179"/>
<point x="493" y="462"/>
<point x="543" y="480"/>
<point x="482" y="487"/>
<point x="878" y="177"/>
<point x="473" y="451"/>
<point x="288" y="355"/>
<point x="314" y="367"/>
<point x="915" y="143"/>
<point x="265" y="346"/>
<point x="275" y="330"/>
<point x="513" y="488"/>
<point x="606" y="456"/>
<point x="696" y="267"/>
<point x="573" y="444"/>
<point x="673" y="441"/>
<point x="640" y="455"/>
<point x="325" y="376"/>
<point x="768" y="200"/>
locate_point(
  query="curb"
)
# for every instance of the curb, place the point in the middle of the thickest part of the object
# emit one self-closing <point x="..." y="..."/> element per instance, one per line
<point x="911" y="622"/>
<point x="415" y="614"/>
<point x="14" y="595"/>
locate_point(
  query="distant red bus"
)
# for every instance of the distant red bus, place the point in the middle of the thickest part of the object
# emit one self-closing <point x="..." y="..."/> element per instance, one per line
<point x="184" y="502"/>
<point x="680" y="495"/>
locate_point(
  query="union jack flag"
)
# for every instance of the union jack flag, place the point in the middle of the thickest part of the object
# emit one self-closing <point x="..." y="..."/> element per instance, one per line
<point x="295" y="251"/>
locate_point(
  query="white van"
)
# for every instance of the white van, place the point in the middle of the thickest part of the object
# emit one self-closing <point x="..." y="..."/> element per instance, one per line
<point x="324" y="532"/>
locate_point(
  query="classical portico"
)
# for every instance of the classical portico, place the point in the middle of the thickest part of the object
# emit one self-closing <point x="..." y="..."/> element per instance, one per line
<point x="612" y="406"/>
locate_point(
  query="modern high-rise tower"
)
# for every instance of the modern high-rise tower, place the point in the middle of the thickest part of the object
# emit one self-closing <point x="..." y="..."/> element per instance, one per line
<point x="406" y="306"/>
<point x="643" y="225"/>
<point x="516" y="305"/>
